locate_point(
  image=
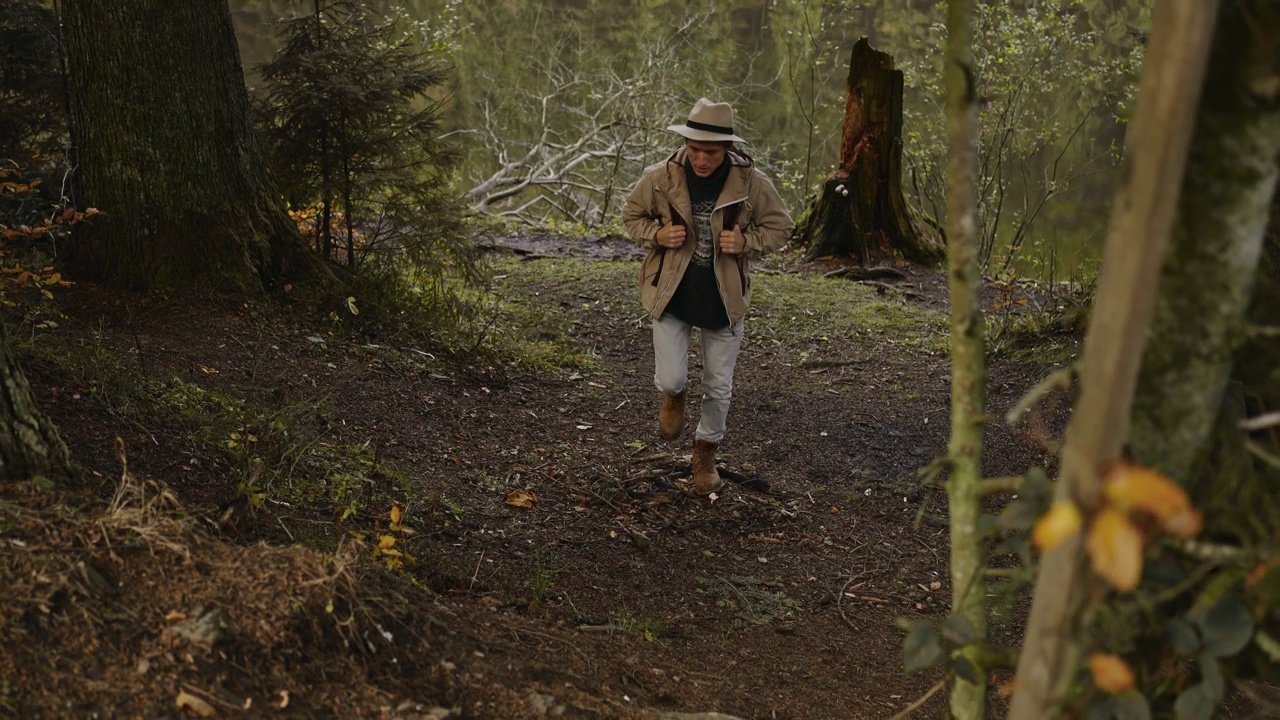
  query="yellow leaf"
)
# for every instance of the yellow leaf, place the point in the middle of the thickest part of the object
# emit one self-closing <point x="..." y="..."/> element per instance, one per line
<point x="1061" y="522"/>
<point x="1134" y="487"/>
<point x="1111" y="673"/>
<point x="386" y="541"/>
<point x="395" y="514"/>
<point x="1115" y="549"/>
<point x="1186" y="524"/>
<point x="521" y="498"/>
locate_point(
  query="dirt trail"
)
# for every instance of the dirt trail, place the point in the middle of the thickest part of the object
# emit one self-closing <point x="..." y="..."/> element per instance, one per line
<point x="614" y="594"/>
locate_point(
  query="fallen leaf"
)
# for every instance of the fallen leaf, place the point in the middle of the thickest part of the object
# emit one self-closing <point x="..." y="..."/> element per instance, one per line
<point x="521" y="498"/>
<point x="1115" y="549"/>
<point x="395" y="514"/>
<point x="175" y="616"/>
<point x="194" y="704"/>
<point x="1111" y="673"/>
<point x="1055" y="526"/>
<point x="386" y="541"/>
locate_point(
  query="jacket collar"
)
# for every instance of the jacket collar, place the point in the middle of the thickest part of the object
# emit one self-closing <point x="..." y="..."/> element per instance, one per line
<point x="735" y="186"/>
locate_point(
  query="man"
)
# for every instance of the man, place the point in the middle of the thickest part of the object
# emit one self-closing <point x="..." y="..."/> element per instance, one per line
<point x="703" y="214"/>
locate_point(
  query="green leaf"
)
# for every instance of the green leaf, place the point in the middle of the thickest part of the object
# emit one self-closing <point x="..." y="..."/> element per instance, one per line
<point x="1226" y="627"/>
<point x="1132" y="705"/>
<point x="1184" y="637"/>
<point x="1195" y="703"/>
<point x="1103" y="708"/>
<point x="966" y="670"/>
<point x="957" y="630"/>
<point x="921" y="649"/>
<point x="1020" y="514"/>
<point x="1211" y="673"/>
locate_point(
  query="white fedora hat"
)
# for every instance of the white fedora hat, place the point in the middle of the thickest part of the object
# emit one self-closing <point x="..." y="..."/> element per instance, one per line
<point x="708" y="122"/>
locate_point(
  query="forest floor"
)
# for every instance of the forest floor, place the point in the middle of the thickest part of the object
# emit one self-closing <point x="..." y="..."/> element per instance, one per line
<point x="247" y="560"/>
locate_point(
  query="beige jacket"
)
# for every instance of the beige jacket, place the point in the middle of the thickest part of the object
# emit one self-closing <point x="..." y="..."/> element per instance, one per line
<point x="747" y="192"/>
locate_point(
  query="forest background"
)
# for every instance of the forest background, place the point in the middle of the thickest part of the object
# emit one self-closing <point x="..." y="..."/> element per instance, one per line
<point x="541" y="116"/>
<point x="558" y="105"/>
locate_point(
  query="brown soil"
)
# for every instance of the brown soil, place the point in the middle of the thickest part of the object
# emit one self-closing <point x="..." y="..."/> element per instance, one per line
<point x="616" y="594"/>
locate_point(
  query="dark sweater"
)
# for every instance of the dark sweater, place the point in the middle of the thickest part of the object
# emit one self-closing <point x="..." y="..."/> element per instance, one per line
<point x="697" y="298"/>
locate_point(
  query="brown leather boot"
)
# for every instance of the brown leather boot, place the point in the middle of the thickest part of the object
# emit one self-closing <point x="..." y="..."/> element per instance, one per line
<point x="671" y="417"/>
<point x="706" y="479"/>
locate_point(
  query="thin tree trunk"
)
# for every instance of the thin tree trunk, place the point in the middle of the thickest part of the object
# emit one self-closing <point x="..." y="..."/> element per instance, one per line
<point x="1141" y="223"/>
<point x="1209" y="277"/>
<point x="30" y="446"/>
<point x="168" y="151"/>
<point x="968" y="374"/>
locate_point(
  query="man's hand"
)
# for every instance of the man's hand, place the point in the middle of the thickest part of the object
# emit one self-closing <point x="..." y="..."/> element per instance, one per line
<point x="732" y="241"/>
<point x="670" y="236"/>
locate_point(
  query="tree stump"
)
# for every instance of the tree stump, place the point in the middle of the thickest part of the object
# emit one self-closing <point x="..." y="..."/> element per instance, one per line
<point x="860" y="211"/>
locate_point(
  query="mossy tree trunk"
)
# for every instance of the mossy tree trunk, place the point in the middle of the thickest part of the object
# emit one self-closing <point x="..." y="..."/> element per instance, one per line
<point x="1208" y="280"/>
<point x="1257" y="363"/>
<point x="1141" y="224"/>
<point x="861" y="211"/>
<point x="167" y="149"/>
<point x="968" y="369"/>
<point x="30" y="446"/>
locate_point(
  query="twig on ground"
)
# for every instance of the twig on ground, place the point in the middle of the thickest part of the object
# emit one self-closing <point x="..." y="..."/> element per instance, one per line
<point x="840" y="599"/>
<point x="476" y="574"/>
<point x="922" y="700"/>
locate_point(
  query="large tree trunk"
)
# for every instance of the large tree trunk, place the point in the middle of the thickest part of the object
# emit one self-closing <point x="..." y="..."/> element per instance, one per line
<point x="167" y="149"/>
<point x="968" y="368"/>
<point x="1142" y="221"/>
<point x="861" y="211"/>
<point x="1208" y="280"/>
<point x="30" y="446"/>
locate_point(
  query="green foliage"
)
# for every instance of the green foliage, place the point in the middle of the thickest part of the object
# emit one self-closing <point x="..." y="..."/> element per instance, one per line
<point x="352" y="109"/>
<point x="1054" y="91"/>
<point x="786" y="309"/>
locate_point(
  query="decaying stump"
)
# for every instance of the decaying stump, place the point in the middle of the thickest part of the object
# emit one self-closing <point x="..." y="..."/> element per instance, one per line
<point x="861" y="211"/>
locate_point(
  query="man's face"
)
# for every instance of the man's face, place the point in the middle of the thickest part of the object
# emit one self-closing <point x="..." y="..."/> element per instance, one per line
<point x="705" y="157"/>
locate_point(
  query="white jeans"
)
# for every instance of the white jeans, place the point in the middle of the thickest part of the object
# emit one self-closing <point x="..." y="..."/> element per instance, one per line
<point x="719" y="355"/>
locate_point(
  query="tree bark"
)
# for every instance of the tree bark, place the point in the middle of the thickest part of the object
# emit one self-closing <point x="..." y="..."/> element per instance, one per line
<point x="861" y="211"/>
<point x="167" y="149"/>
<point x="1208" y="279"/>
<point x="30" y="446"/>
<point x="1141" y="222"/>
<point x="968" y="369"/>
